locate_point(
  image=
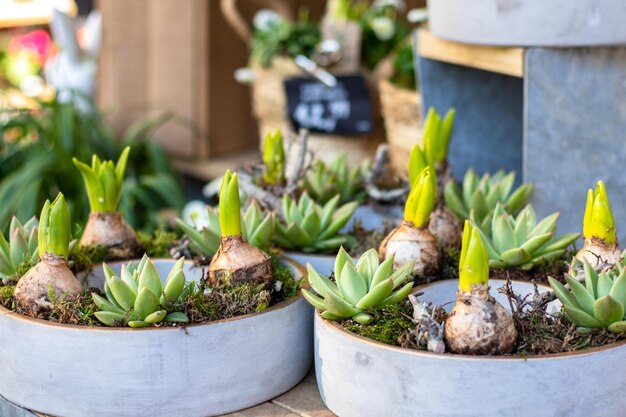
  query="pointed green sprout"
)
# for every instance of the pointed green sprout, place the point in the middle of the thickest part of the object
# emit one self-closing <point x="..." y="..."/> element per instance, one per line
<point x="358" y="287"/>
<point x="257" y="230"/>
<point x="418" y="161"/>
<point x="230" y="210"/>
<point x="522" y="241"/>
<point x="598" y="302"/>
<point x="103" y="181"/>
<point x="309" y="227"/>
<point x="324" y="181"/>
<point x="274" y="158"/>
<point x="338" y="10"/>
<point x="137" y="298"/>
<point x="436" y="135"/>
<point x="54" y="228"/>
<point x="598" y="221"/>
<point x="421" y="200"/>
<point x="19" y="249"/>
<point x="474" y="261"/>
<point x="482" y="195"/>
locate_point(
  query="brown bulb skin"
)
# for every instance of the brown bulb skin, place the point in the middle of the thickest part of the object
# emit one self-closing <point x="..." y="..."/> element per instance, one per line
<point x="599" y="253"/>
<point x="479" y="325"/>
<point x="446" y="227"/>
<point x="407" y="243"/>
<point x="238" y="262"/>
<point x="31" y="291"/>
<point x="111" y="231"/>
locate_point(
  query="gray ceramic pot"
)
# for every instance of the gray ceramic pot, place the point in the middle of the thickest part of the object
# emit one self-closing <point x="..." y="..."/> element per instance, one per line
<point x="530" y="22"/>
<point x="201" y="370"/>
<point x="375" y="217"/>
<point x="358" y="377"/>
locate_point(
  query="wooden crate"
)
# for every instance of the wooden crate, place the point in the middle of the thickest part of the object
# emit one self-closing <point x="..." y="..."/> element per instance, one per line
<point x="172" y="55"/>
<point x="180" y="56"/>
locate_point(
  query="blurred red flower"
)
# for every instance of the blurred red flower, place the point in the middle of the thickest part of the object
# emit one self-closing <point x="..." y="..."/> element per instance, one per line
<point x="37" y="41"/>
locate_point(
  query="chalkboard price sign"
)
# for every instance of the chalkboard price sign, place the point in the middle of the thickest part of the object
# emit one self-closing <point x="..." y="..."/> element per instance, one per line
<point x="342" y="110"/>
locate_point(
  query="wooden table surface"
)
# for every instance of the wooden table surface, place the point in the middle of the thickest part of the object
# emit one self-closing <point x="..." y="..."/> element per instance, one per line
<point x="302" y="401"/>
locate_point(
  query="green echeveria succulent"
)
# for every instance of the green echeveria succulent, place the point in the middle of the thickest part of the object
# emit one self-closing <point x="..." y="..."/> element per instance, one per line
<point x="20" y="248"/>
<point x="521" y="241"/>
<point x="360" y="287"/>
<point x="481" y="196"/>
<point x="324" y="181"/>
<point x="137" y="297"/>
<point x="257" y="229"/>
<point x="310" y="227"/>
<point x="598" y="302"/>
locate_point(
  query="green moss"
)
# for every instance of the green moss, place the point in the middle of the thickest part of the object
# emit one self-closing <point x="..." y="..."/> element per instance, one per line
<point x="450" y="264"/>
<point x="82" y="258"/>
<point x="389" y="325"/>
<point x="202" y="304"/>
<point x="158" y="243"/>
<point x="72" y="310"/>
<point x="367" y="239"/>
<point x="289" y="285"/>
<point x="6" y="296"/>
<point x="541" y="334"/>
<point x="24" y="267"/>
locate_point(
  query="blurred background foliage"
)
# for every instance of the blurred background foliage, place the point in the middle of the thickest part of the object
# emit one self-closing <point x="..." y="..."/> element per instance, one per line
<point x="36" y="149"/>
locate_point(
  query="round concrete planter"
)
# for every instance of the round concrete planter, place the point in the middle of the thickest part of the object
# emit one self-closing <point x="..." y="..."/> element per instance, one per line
<point x="375" y="217"/>
<point x="201" y="370"/>
<point x="530" y="22"/>
<point x="324" y="264"/>
<point x="358" y="377"/>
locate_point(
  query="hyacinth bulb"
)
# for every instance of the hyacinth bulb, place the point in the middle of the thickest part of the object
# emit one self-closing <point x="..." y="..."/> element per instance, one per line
<point x="236" y="261"/>
<point x="411" y="240"/>
<point x="51" y="273"/>
<point x="106" y="226"/>
<point x="443" y="224"/>
<point x="477" y="324"/>
<point x="601" y="246"/>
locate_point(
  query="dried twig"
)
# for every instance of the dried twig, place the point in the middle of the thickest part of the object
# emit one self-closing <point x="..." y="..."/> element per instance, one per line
<point x="263" y="197"/>
<point x="381" y="160"/>
<point x="181" y="249"/>
<point x="428" y="331"/>
<point x="293" y="177"/>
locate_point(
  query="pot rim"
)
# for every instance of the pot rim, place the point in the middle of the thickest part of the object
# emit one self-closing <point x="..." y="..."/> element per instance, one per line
<point x="286" y="252"/>
<point x="283" y="304"/>
<point x="335" y="326"/>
